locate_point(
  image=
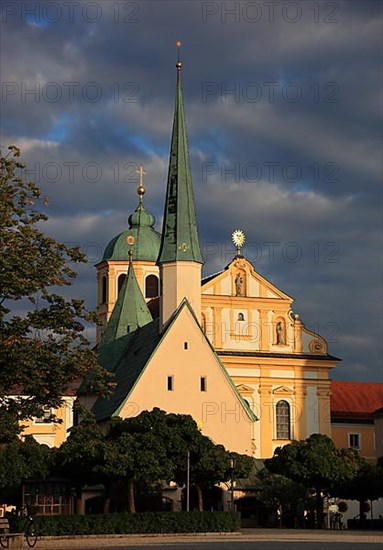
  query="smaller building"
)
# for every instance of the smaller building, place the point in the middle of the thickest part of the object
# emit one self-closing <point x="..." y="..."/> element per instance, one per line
<point x="378" y="427"/>
<point x="354" y="418"/>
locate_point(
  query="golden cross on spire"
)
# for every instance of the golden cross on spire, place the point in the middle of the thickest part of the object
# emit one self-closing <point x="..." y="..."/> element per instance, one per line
<point x="141" y="172"/>
<point x="179" y="64"/>
<point x="141" y="189"/>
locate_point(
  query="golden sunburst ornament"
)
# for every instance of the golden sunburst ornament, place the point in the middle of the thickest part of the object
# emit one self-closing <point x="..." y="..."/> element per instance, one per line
<point x="239" y="238"/>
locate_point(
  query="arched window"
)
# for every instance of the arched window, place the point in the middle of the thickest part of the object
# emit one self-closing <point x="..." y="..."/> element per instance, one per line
<point x="104" y="289"/>
<point x="241" y="317"/>
<point x="151" y="286"/>
<point x="121" y="280"/>
<point x="283" y="420"/>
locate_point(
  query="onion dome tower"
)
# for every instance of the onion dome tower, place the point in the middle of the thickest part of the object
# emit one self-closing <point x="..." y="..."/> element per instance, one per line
<point x="144" y="242"/>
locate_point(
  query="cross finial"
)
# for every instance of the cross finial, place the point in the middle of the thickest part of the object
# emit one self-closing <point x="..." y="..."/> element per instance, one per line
<point x="141" y="172"/>
<point x="141" y="189"/>
<point x="179" y="64"/>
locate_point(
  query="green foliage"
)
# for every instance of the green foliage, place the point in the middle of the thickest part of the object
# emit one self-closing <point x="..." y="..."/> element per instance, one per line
<point x="140" y="443"/>
<point x="20" y="461"/>
<point x="148" y="522"/>
<point x="43" y="350"/>
<point x="81" y="452"/>
<point x="281" y="492"/>
<point x="367" y="484"/>
<point x="150" y="447"/>
<point x="315" y="462"/>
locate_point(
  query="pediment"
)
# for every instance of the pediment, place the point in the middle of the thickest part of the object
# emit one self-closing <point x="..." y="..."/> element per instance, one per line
<point x="250" y="283"/>
<point x="245" y="390"/>
<point x="283" y="390"/>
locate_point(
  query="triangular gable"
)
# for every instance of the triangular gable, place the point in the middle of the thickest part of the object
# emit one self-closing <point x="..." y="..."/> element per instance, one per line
<point x="282" y="390"/>
<point x="243" y="389"/>
<point x="224" y="279"/>
<point x="203" y="341"/>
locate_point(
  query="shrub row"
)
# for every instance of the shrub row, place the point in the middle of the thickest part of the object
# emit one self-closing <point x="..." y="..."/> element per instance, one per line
<point x="365" y="524"/>
<point x="147" y="522"/>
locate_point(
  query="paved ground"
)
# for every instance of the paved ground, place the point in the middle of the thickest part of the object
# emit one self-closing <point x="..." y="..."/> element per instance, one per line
<point x="247" y="546"/>
<point x="259" y="539"/>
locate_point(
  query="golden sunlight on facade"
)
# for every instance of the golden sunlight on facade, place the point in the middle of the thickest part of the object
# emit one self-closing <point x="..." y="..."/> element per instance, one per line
<point x="227" y="349"/>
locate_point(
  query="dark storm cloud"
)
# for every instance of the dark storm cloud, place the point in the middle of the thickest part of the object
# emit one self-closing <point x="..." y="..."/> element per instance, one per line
<point x="298" y="165"/>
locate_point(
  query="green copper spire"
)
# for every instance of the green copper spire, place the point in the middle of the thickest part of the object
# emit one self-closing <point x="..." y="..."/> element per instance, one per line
<point x="179" y="233"/>
<point x="130" y="311"/>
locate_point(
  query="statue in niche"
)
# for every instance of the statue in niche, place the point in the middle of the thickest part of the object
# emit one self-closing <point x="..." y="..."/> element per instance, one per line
<point x="239" y="285"/>
<point x="280" y="333"/>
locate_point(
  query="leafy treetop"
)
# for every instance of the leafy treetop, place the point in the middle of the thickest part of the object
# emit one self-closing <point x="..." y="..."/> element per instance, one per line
<point x="43" y="351"/>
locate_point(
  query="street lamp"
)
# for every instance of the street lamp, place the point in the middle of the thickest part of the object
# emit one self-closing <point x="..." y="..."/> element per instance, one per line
<point x="232" y="459"/>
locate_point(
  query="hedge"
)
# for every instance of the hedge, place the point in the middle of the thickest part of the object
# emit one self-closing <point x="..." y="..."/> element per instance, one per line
<point x="365" y="524"/>
<point x="146" y="522"/>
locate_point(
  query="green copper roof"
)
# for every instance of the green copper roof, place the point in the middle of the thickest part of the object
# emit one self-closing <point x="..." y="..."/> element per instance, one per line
<point x="179" y="234"/>
<point x="130" y="311"/>
<point x="146" y="239"/>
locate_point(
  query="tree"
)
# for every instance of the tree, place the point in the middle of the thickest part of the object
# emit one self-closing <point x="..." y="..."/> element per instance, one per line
<point x="21" y="461"/>
<point x="80" y="455"/>
<point x="279" y="493"/>
<point x="149" y="448"/>
<point x="315" y="463"/>
<point x="209" y="463"/>
<point x="367" y="484"/>
<point x="133" y="450"/>
<point x="137" y="450"/>
<point x="43" y="350"/>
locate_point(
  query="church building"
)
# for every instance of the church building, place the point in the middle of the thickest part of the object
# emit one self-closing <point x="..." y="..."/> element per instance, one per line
<point x="227" y="349"/>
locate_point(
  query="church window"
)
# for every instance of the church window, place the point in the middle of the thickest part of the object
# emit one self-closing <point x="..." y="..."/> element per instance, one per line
<point x="104" y="287"/>
<point x="186" y="345"/>
<point x="283" y="420"/>
<point x="203" y="383"/>
<point x="151" y="286"/>
<point x="170" y="383"/>
<point x="241" y="317"/>
<point x="121" y="280"/>
<point x="354" y="441"/>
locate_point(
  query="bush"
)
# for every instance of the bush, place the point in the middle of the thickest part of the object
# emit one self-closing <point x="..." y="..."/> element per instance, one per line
<point x="365" y="524"/>
<point x="147" y="522"/>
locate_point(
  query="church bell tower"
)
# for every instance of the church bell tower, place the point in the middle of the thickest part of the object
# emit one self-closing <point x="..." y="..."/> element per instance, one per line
<point x="180" y="259"/>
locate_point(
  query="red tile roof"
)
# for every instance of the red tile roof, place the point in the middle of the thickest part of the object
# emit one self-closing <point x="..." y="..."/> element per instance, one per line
<point x="355" y="400"/>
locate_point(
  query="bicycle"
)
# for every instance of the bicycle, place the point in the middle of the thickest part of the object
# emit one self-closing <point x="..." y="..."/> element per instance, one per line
<point x="24" y="525"/>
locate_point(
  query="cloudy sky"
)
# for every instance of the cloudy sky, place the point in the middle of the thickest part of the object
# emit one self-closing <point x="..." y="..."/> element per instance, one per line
<point x="283" y="107"/>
